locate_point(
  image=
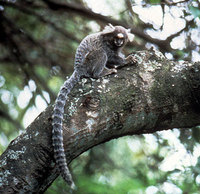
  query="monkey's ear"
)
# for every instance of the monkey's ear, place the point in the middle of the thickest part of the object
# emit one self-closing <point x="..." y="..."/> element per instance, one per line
<point x="128" y="30"/>
<point x="108" y="29"/>
<point x="130" y="35"/>
<point x="111" y="26"/>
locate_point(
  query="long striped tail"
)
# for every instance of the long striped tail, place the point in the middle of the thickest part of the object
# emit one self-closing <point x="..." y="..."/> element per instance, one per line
<point x="57" y="132"/>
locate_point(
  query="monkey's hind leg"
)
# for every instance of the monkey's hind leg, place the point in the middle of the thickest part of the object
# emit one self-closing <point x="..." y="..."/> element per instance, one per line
<point x="95" y="63"/>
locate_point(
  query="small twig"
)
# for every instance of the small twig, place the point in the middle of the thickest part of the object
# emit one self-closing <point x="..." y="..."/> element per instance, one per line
<point x="6" y="116"/>
<point x="21" y="58"/>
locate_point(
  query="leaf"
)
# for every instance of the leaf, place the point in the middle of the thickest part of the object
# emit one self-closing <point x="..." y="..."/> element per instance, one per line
<point x="195" y="11"/>
<point x="154" y="1"/>
<point x="196" y="133"/>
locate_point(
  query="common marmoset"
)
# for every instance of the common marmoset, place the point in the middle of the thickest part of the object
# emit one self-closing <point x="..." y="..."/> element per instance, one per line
<point x="97" y="55"/>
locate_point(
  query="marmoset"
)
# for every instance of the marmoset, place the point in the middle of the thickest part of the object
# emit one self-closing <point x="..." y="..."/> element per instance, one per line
<point x="97" y="55"/>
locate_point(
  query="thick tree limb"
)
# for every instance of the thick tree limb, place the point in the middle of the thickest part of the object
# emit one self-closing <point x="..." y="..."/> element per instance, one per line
<point x="155" y="94"/>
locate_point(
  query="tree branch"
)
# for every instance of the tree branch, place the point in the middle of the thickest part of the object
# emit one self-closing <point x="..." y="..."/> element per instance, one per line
<point x="70" y="7"/>
<point x="155" y="94"/>
<point x="164" y="45"/>
<point x="41" y="18"/>
<point x="6" y="116"/>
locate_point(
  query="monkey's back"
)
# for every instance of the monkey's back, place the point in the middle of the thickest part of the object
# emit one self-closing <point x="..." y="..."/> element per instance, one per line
<point x="88" y="44"/>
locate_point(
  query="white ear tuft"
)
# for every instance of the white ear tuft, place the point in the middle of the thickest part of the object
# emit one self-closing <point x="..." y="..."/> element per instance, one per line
<point x="130" y="37"/>
<point x="128" y="30"/>
<point x="111" y="25"/>
<point x="108" y="29"/>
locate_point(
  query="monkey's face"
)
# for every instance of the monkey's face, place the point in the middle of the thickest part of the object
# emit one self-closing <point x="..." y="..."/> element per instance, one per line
<point x="119" y="40"/>
<point x="116" y="36"/>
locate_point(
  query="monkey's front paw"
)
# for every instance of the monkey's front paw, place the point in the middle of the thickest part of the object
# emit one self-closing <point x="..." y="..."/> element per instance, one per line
<point x="131" y="59"/>
<point x="107" y="71"/>
<point x="114" y="70"/>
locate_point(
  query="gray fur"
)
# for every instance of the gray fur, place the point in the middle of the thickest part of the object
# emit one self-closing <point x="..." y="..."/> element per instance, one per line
<point x="95" y="53"/>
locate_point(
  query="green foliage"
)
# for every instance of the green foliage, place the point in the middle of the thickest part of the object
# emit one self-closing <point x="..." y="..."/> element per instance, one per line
<point x="195" y="11"/>
<point x="196" y="134"/>
<point x="154" y="1"/>
<point x="128" y="165"/>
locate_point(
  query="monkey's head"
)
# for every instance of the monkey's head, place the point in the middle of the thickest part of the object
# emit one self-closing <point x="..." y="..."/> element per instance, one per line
<point x="117" y="36"/>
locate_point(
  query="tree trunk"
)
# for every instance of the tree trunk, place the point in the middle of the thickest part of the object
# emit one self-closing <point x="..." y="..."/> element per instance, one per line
<point x="154" y="94"/>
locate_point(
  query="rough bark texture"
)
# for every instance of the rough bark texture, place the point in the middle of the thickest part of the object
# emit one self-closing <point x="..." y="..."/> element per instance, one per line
<point x="155" y="94"/>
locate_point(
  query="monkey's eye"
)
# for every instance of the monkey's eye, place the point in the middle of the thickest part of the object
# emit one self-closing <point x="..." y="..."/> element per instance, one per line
<point x="119" y="40"/>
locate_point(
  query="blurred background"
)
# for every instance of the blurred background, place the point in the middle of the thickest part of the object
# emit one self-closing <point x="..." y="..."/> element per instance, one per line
<point x="38" y="40"/>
